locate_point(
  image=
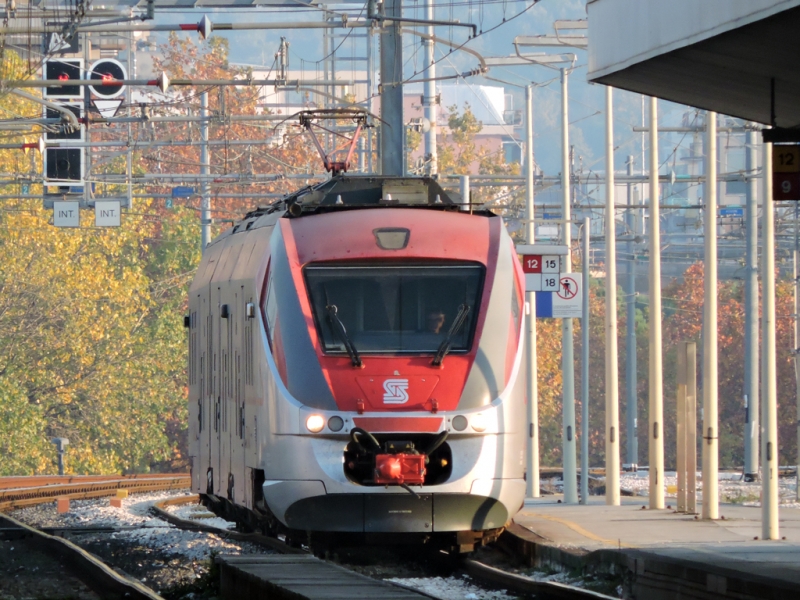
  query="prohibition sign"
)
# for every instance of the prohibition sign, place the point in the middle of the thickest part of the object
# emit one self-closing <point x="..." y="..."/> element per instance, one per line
<point x="568" y="288"/>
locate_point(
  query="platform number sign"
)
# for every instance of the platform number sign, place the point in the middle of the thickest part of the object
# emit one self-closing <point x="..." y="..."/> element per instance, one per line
<point x="786" y="172"/>
<point x="558" y="295"/>
<point x="541" y="272"/>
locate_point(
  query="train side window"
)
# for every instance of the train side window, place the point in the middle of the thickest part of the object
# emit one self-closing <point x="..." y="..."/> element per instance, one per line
<point x="271" y="304"/>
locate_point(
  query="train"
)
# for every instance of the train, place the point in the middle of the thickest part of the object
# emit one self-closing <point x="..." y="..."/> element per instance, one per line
<point x="355" y="367"/>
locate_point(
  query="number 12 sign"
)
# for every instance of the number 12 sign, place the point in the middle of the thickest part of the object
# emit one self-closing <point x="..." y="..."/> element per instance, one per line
<point x="541" y="272"/>
<point x="786" y="172"/>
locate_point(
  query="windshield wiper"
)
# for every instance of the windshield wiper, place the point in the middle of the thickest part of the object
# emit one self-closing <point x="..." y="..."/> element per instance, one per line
<point x="458" y="323"/>
<point x="340" y="330"/>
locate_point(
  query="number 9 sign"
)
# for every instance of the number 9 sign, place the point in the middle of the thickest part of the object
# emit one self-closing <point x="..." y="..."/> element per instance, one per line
<point x="786" y="186"/>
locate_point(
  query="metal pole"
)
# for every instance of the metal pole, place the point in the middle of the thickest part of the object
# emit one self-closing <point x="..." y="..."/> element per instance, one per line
<point x="612" y="368"/>
<point x="205" y="202"/>
<point x="710" y="379"/>
<point x="631" y="383"/>
<point x="392" y="128"/>
<point x="680" y="414"/>
<point x="429" y="94"/>
<point x="691" y="427"/>
<point x="532" y="454"/>
<point x="585" y="365"/>
<point x="751" y="363"/>
<point x="769" y="409"/>
<point x="656" y="429"/>
<point x="463" y="186"/>
<point x="797" y="343"/>
<point x="567" y="352"/>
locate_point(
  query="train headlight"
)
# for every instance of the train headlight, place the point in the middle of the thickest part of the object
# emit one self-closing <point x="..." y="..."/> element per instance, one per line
<point x="335" y="423"/>
<point x="315" y="423"/>
<point x="459" y="423"/>
<point x="479" y="422"/>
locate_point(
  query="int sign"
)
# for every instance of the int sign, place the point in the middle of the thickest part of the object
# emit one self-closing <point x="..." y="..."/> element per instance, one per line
<point x="107" y="213"/>
<point x="786" y="172"/>
<point x="66" y="214"/>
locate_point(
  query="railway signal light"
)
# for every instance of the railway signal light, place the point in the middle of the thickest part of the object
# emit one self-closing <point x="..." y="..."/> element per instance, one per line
<point x="63" y="164"/>
<point x="108" y="73"/>
<point x="63" y="69"/>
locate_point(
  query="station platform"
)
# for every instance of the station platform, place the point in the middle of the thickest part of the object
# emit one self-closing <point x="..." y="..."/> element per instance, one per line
<point x="666" y="554"/>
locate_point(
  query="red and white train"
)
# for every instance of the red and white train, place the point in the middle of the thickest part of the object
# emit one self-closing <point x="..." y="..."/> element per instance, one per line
<point x="356" y="366"/>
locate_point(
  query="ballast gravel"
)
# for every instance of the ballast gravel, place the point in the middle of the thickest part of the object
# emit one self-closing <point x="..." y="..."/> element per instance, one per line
<point x="171" y="561"/>
<point x="451" y="588"/>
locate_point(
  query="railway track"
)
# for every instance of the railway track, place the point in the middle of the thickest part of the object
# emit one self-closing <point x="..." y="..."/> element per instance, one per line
<point x="95" y="574"/>
<point x="18" y="492"/>
<point x="516" y="584"/>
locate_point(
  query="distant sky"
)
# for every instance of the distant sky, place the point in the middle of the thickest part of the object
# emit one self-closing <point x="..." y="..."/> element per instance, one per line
<point x="586" y="104"/>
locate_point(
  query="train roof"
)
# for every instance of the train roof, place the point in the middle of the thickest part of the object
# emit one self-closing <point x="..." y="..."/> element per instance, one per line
<point x="353" y="192"/>
<point x="348" y="192"/>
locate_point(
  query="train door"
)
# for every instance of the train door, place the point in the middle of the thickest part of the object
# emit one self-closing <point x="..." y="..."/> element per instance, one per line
<point x="195" y="394"/>
<point x="221" y="468"/>
<point x="237" y="399"/>
<point x="215" y="421"/>
<point x="206" y="393"/>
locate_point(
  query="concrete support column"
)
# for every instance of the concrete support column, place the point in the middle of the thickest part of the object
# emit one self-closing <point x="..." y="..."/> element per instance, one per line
<point x="532" y="454"/>
<point x="751" y="363"/>
<point x="769" y="394"/>
<point x="710" y="380"/>
<point x="392" y="126"/>
<point x="612" y="367"/>
<point x="569" y="455"/>
<point x="656" y="401"/>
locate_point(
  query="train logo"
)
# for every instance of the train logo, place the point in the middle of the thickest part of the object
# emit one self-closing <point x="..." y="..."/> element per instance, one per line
<point x="396" y="391"/>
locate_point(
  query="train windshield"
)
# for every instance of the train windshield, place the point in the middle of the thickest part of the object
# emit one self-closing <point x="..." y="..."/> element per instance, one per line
<point x="394" y="309"/>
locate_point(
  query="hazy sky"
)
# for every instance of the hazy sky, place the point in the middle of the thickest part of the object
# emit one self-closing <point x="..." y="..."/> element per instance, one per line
<point x="586" y="105"/>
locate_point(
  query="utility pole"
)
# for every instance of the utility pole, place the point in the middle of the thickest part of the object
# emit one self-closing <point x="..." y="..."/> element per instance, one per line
<point x="656" y="402"/>
<point x="710" y="380"/>
<point x="429" y="95"/>
<point x="532" y="453"/>
<point x="570" y="474"/>
<point x="392" y="126"/>
<point x="751" y="363"/>
<point x="205" y="201"/>
<point x="612" y="376"/>
<point x="631" y="383"/>
<point x="586" y="241"/>
<point x="769" y="393"/>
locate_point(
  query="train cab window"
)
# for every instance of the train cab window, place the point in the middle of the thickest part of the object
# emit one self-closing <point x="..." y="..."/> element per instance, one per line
<point x="271" y="308"/>
<point x="388" y="309"/>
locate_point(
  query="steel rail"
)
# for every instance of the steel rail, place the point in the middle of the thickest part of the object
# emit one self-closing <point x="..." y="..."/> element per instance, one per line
<point x="31" y="496"/>
<point x="160" y="510"/>
<point x="20" y="481"/>
<point x="92" y="572"/>
<point x="520" y="584"/>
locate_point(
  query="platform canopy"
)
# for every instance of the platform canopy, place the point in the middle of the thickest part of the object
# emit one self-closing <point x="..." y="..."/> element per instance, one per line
<point x="718" y="55"/>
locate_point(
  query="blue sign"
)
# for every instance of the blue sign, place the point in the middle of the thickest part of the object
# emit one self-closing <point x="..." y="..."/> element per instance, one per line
<point x="26" y="189"/>
<point x="731" y="212"/>
<point x="182" y="191"/>
<point x="544" y="305"/>
<point x="552" y="216"/>
<point x="168" y="203"/>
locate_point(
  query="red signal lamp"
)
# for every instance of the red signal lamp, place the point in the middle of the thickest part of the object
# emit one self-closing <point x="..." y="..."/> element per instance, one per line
<point x="396" y="469"/>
